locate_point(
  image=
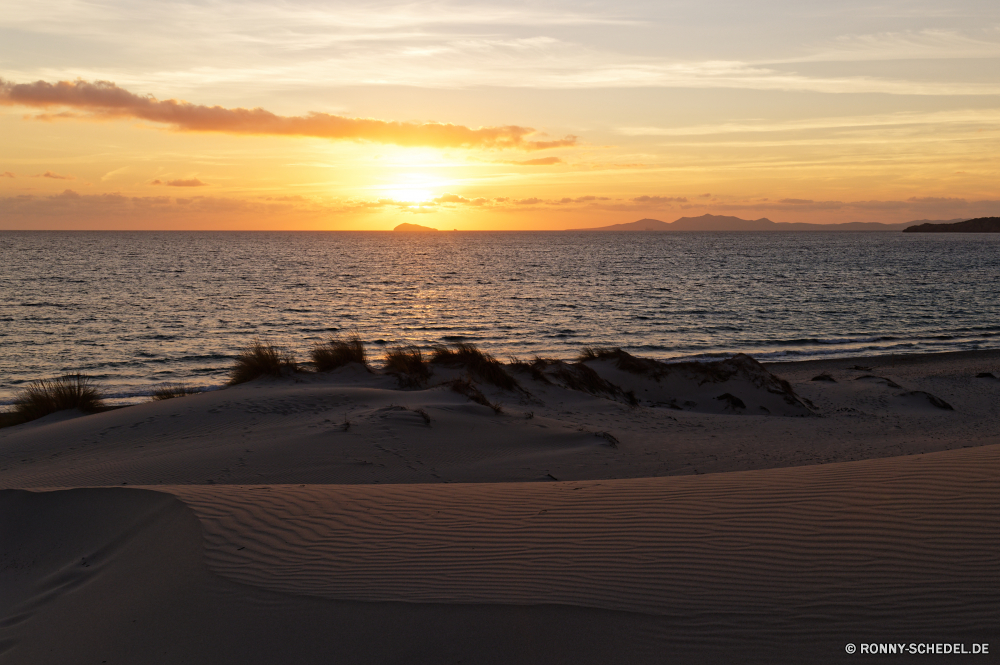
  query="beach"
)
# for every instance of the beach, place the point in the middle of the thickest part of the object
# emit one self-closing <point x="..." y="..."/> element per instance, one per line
<point x="740" y="513"/>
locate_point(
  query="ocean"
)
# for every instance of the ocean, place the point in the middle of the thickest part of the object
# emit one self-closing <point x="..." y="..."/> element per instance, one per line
<point x="138" y="309"/>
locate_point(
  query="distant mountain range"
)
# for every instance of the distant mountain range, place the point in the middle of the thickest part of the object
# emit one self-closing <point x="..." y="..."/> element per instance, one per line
<point x="728" y="223"/>
<point x="978" y="225"/>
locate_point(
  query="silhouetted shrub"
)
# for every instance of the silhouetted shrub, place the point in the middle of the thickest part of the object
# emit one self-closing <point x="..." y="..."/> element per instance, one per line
<point x="467" y="388"/>
<point x="408" y="366"/>
<point x="624" y="361"/>
<point x="45" y="396"/>
<point x="577" y="376"/>
<point x="338" y="352"/>
<point x="476" y="362"/>
<point x="258" y="359"/>
<point x="534" y="369"/>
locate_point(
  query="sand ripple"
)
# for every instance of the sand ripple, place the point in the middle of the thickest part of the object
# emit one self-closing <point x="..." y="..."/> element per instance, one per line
<point x="912" y="537"/>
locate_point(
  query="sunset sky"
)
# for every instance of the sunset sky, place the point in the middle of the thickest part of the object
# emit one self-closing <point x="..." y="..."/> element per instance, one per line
<point x="336" y="115"/>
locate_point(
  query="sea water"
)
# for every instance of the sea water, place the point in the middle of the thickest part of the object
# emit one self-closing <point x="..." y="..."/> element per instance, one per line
<point x="137" y="309"/>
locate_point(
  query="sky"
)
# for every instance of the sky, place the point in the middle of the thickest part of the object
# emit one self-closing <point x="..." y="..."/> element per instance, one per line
<point x="330" y="115"/>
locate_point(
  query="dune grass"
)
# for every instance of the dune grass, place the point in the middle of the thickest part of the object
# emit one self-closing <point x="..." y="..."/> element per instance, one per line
<point x="534" y="369"/>
<point x="45" y="396"/>
<point x="408" y="365"/>
<point x="339" y="352"/>
<point x="577" y="376"/>
<point x="259" y="358"/>
<point x="478" y="363"/>
<point x="624" y="361"/>
<point x="467" y="388"/>
<point x="172" y="390"/>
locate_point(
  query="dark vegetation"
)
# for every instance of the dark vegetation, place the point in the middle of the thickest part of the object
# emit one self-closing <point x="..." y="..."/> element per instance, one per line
<point x="259" y="358"/>
<point x="717" y="371"/>
<point x="45" y="396"/>
<point x="407" y="364"/>
<point x="467" y="388"/>
<point x="535" y="369"/>
<point x="625" y="361"/>
<point x="477" y="363"/>
<point x="423" y="414"/>
<point x="412" y="370"/>
<point x="172" y="390"/>
<point x="577" y="376"/>
<point x="339" y="352"/>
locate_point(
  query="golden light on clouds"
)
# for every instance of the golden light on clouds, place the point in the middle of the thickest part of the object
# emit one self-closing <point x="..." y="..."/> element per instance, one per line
<point x="482" y="115"/>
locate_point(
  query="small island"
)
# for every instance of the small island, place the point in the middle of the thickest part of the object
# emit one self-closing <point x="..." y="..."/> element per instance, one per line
<point x="978" y="225"/>
<point x="413" y="228"/>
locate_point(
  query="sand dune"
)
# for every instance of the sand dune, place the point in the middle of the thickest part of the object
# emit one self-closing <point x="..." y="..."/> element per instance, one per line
<point x="117" y="576"/>
<point x="340" y="518"/>
<point x="760" y="566"/>
<point x="856" y="538"/>
<point x="292" y="430"/>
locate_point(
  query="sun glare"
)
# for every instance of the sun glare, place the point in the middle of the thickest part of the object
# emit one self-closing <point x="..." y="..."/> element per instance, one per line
<point x="409" y="195"/>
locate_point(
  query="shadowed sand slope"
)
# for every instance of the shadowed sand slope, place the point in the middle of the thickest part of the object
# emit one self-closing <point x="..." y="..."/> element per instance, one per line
<point x="902" y="543"/>
<point x="117" y="576"/>
<point x="756" y="567"/>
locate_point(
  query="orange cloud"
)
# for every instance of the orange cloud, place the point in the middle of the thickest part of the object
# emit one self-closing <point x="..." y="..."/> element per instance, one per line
<point x="455" y="198"/>
<point x="7" y="174"/>
<point x="193" y="182"/>
<point x="103" y="100"/>
<point x="581" y="199"/>
<point x="660" y="199"/>
<point x="54" y="176"/>
<point x="542" y="161"/>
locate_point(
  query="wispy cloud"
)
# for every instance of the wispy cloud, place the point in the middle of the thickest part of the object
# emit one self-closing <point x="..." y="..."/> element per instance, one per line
<point x="103" y="100"/>
<point x="928" y="43"/>
<point x="438" y="43"/>
<point x="192" y="182"/>
<point x="660" y="199"/>
<point x="952" y="117"/>
<point x="111" y="174"/>
<point x="542" y="161"/>
<point x="7" y="174"/>
<point x="54" y="176"/>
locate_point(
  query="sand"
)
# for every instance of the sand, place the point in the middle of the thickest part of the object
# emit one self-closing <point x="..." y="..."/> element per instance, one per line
<point x="339" y="518"/>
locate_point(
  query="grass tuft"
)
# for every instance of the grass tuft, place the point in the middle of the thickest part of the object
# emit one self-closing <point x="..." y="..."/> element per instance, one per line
<point x="467" y="388"/>
<point x="259" y="359"/>
<point x="408" y="365"/>
<point x="45" y="396"/>
<point x="339" y="352"/>
<point x="624" y="361"/>
<point x="478" y="363"/>
<point x="534" y="369"/>
<point x="172" y="390"/>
